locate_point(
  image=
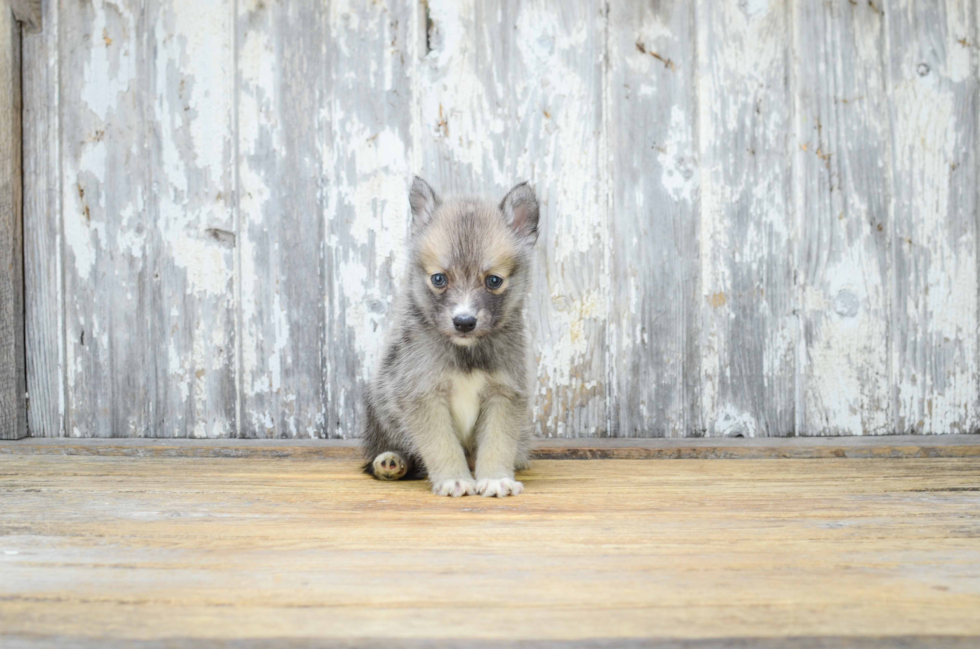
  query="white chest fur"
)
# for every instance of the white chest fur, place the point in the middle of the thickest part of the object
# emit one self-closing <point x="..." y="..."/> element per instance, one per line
<point x="464" y="401"/>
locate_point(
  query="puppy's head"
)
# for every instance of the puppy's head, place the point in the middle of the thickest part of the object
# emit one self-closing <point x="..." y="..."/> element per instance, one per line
<point x="471" y="260"/>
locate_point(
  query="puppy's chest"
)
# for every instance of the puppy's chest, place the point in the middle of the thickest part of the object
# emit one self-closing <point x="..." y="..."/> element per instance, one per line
<point x="465" y="399"/>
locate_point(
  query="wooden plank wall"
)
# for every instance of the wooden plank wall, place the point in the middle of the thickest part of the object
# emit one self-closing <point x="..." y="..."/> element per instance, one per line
<point x="13" y="404"/>
<point x="758" y="218"/>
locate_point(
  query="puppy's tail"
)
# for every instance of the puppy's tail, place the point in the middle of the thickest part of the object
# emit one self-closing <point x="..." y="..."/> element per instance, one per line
<point x="392" y="465"/>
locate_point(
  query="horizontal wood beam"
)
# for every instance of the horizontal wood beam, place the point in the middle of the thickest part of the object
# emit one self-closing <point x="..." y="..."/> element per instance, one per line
<point x="896" y="446"/>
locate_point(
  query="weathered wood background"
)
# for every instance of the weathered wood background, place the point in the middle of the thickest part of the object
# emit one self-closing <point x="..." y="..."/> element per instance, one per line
<point x="759" y="218"/>
<point x="13" y="405"/>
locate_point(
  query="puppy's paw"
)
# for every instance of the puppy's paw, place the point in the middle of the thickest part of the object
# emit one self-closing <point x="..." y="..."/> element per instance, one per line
<point x="455" y="487"/>
<point x="498" y="487"/>
<point x="389" y="466"/>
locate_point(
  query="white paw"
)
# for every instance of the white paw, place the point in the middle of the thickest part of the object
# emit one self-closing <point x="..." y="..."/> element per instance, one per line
<point x="455" y="487"/>
<point x="389" y="466"/>
<point x="499" y="487"/>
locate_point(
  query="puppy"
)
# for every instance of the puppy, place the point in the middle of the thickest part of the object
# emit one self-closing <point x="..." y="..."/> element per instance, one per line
<point x="450" y="394"/>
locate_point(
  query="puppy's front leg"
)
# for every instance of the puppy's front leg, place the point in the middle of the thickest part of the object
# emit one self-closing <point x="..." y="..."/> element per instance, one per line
<point x="443" y="455"/>
<point x="498" y="432"/>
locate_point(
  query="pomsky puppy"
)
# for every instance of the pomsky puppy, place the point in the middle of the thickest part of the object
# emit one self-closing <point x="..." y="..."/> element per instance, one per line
<point x="450" y="395"/>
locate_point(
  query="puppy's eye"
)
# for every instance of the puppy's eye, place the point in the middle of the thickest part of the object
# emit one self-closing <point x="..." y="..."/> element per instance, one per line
<point x="494" y="282"/>
<point x="439" y="280"/>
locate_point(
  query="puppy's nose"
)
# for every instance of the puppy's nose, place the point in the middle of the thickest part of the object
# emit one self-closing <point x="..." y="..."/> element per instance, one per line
<point x="464" y="323"/>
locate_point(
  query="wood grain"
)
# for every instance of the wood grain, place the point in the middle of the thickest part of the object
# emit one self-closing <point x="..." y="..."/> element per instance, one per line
<point x="368" y="154"/>
<point x="748" y="294"/>
<point x="655" y="263"/>
<point x="843" y="201"/>
<point x="187" y="79"/>
<point x="806" y="642"/>
<point x="43" y="233"/>
<point x="281" y="103"/>
<point x="932" y="74"/>
<point x="114" y="549"/>
<point x="13" y="386"/>
<point x="104" y="182"/>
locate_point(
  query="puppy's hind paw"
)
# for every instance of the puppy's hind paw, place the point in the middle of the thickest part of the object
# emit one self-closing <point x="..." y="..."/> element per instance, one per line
<point x="498" y="487"/>
<point x="455" y="487"/>
<point x="389" y="466"/>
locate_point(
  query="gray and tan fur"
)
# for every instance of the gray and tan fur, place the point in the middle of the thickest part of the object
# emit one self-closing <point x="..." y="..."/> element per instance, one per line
<point x="450" y="397"/>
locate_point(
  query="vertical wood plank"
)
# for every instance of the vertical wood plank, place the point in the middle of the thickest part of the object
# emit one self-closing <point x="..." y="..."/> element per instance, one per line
<point x="187" y="83"/>
<point x="13" y="387"/>
<point x="843" y="201"/>
<point x="280" y="57"/>
<point x="513" y="91"/>
<point x="933" y="81"/>
<point x="43" y="237"/>
<point x="655" y="266"/>
<point x="749" y="327"/>
<point x="104" y="175"/>
<point x="367" y="149"/>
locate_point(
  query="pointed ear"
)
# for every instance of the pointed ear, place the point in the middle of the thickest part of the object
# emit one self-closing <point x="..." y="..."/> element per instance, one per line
<point x="424" y="203"/>
<point x="520" y="208"/>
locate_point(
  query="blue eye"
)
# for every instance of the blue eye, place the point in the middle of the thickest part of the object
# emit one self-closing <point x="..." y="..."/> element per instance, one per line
<point x="439" y="280"/>
<point x="494" y="282"/>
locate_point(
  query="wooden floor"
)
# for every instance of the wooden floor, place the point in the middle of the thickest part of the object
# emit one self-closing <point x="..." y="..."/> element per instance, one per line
<point x="100" y="551"/>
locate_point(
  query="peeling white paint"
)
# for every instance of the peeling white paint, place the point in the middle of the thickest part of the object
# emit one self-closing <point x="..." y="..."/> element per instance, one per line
<point x="745" y="218"/>
<point x="732" y="422"/>
<point x="109" y="71"/>
<point x="78" y="235"/>
<point x="206" y="263"/>
<point x="153" y="217"/>
<point x="679" y="177"/>
<point x="935" y="372"/>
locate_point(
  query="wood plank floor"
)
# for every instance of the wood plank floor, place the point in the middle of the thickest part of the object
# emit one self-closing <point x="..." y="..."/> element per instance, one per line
<point x="103" y="551"/>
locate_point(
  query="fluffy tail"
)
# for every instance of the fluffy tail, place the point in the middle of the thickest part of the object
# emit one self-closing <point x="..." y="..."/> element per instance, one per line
<point x="391" y="465"/>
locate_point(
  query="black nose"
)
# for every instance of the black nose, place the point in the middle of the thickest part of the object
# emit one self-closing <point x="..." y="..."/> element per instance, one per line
<point x="464" y="323"/>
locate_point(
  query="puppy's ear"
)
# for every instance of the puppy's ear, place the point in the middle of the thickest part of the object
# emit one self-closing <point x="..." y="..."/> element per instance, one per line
<point x="424" y="203"/>
<point x="520" y="208"/>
